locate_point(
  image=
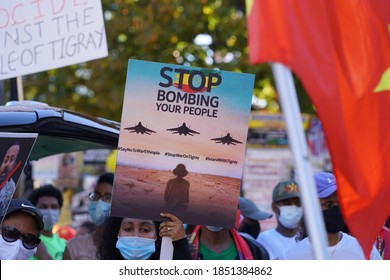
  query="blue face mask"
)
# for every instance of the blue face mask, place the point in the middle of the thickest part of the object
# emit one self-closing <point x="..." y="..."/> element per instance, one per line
<point x="135" y="248"/>
<point x="99" y="210"/>
<point x="50" y="217"/>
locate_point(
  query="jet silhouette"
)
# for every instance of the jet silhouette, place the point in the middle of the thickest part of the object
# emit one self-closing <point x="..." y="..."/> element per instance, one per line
<point x="139" y="128"/>
<point x="183" y="129"/>
<point x="227" y="140"/>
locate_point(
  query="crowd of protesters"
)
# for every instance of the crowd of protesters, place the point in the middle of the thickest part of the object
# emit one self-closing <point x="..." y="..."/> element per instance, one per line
<point x="27" y="230"/>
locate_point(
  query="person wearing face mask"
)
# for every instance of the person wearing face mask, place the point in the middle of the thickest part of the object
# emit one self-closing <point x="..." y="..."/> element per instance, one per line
<point x="48" y="199"/>
<point x="219" y="243"/>
<point x="84" y="247"/>
<point x="138" y="239"/>
<point x="341" y="245"/>
<point x="20" y="230"/>
<point x="286" y="204"/>
<point x="100" y="205"/>
<point x="251" y="215"/>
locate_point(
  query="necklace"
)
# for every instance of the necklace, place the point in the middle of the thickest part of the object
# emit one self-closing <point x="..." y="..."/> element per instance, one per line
<point x="336" y="245"/>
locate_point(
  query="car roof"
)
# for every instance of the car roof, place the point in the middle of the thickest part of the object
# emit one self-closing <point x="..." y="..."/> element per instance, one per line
<point x="59" y="130"/>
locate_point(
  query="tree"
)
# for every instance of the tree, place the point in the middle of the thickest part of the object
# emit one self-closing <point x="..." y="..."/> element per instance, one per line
<point x="161" y="31"/>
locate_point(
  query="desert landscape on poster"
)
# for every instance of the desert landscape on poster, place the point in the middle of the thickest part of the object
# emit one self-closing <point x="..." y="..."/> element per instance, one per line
<point x="139" y="193"/>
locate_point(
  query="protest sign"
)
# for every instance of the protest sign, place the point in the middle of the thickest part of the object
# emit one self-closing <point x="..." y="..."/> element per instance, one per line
<point x="182" y="143"/>
<point x="40" y="35"/>
<point x="14" y="152"/>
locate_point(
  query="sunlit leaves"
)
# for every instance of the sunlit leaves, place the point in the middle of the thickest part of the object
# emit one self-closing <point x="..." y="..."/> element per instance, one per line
<point x="162" y="31"/>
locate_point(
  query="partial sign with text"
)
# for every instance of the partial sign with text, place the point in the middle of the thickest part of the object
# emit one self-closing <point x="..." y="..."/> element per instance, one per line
<point x="40" y="35"/>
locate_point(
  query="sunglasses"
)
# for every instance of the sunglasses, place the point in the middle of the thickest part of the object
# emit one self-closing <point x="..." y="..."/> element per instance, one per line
<point x="95" y="196"/>
<point x="11" y="234"/>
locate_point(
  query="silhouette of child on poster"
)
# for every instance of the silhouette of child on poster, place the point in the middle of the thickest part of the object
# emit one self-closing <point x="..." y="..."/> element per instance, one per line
<point x="177" y="191"/>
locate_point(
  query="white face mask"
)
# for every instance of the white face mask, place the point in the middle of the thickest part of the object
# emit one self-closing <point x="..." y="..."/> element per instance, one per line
<point x="14" y="250"/>
<point x="50" y="217"/>
<point x="290" y="215"/>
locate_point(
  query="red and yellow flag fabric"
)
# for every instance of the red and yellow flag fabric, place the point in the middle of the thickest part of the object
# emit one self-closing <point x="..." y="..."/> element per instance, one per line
<point x="341" y="52"/>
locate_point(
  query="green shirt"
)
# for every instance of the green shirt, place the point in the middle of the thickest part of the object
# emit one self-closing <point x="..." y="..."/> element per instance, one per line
<point x="55" y="246"/>
<point x="229" y="254"/>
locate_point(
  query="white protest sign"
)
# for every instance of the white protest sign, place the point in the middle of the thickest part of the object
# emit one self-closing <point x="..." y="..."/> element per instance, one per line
<point x="38" y="35"/>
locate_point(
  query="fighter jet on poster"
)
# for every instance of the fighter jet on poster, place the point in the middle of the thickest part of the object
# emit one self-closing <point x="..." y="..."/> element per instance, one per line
<point x="183" y="129"/>
<point x="139" y="128"/>
<point x="226" y="140"/>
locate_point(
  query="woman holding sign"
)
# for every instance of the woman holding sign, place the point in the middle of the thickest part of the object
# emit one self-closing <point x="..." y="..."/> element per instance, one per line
<point x="138" y="239"/>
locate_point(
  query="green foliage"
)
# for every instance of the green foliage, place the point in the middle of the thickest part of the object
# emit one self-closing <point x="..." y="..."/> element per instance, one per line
<point x="161" y="31"/>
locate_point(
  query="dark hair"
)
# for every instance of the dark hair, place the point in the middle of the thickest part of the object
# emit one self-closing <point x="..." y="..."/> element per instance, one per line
<point x="88" y="225"/>
<point x="46" y="190"/>
<point x="106" y="178"/>
<point x="387" y="223"/>
<point x="107" y="248"/>
<point x="302" y="231"/>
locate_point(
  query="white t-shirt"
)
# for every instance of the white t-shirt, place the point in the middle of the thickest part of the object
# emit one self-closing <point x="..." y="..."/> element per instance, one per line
<point x="275" y="243"/>
<point x="347" y="249"/>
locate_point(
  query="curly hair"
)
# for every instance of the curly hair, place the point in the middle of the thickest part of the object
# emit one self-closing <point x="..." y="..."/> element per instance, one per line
<point x="106" y="178"/>
<point x="107" y="250"/>
<point x="46" y="190"/>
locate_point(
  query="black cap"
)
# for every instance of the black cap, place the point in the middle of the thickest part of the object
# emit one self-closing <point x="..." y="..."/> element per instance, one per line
<point x="24" y="205"/>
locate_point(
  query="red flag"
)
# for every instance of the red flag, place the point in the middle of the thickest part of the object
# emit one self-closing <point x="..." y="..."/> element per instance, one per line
<point x="341" y="52"/>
